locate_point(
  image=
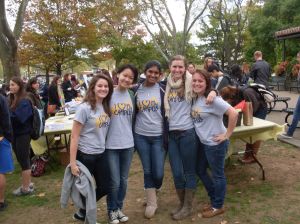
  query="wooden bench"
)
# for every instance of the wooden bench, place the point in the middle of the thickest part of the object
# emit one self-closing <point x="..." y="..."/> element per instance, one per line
<point x="289" y="111"/>
<point x="279" y="99"/>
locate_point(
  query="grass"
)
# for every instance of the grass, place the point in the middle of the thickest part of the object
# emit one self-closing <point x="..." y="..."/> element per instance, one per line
<point x="248" y="200"/>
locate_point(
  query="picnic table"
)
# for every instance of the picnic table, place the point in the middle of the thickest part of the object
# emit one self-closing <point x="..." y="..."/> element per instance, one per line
<point x="260" y="130"/>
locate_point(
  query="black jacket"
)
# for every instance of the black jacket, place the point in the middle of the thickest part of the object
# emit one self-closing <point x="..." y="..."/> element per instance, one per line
<point x="5" y="123"/>
<point x="53" y="96"/>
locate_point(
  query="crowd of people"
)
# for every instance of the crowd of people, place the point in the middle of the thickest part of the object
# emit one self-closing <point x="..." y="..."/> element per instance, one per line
<point x="180" y="116"/>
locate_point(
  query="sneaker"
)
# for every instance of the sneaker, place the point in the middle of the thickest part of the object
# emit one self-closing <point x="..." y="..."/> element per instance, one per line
<point x="205" y="207"/>
<point x="3" y="205"/>
<point x="79" y="215"/>
<point x="213" y="212"/>
<point x="121" y="216"/>
<point x="113" y="217"/>
<point x="21" y="192"/>
<point x="285" y="135"/>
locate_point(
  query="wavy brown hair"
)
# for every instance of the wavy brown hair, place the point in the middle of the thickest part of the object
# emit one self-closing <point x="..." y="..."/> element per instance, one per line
<point x="14" y="99"/>
<point x="90" y="97"/>
<point x="205" y="75"/>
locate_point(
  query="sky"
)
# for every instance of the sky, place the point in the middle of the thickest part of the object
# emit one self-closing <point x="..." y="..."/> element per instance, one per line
<point x="175" y="6"/>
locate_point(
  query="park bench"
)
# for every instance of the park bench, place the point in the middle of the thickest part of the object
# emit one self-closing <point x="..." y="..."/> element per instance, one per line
<point x="290" y="112"/>
<point x="279" y="99"/>
<point x="277" y="82"/>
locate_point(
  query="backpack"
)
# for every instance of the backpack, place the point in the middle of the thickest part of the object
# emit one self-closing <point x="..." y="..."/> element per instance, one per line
<point x="38" y="123"/>
<point x="38" y="166"/>
<point x="265" y="93"/>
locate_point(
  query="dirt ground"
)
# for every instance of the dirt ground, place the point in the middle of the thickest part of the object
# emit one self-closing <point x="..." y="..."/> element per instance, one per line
<point x="249" y="199"/>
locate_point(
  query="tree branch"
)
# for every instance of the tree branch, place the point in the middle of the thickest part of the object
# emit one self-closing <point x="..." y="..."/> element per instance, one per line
<point x="20" y="19"/>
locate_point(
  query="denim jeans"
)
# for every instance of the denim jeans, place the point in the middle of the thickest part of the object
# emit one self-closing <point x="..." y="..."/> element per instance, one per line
<point x="183" y="156"/>
<point x="152" y="155"/>
<point x="119" y="161"/>
<point x="296" y="118"/>
<point x="215" y="185"/>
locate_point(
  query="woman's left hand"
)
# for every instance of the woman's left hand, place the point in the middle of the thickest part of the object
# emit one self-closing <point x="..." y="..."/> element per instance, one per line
<point x="211" y="96"/>
<point x="220" y="138"/>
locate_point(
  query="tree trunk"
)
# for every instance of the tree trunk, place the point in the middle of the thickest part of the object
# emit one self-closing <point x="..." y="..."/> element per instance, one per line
<point x="47" y="76"/>
<point x="10" y="66"/>
<point x="58" y="69"/>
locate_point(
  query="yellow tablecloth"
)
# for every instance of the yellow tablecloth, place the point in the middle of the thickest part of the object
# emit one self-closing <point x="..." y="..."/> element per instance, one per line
<point x="260" y="130"/>
<point x="54" y="125"/>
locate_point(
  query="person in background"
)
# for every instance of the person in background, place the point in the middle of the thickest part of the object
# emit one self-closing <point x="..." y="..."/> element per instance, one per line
<point x="208" y="61"/>
<point x="246" y="70"/>
<point x="182" y="137"/>
<point x="214" y="138"/>
<point x="235" y="95"/>
<point x="222" y="78"/>
<point x="151" y="132"/>
<point x="191" y="68"/>
<point x="6" y="159"/>
<point x="54" y="98"/>
<point x="296" y="114"/>
<point x="21" y="118"/>
<point x="119" y="143"/>
<point x="75" y="85"/>
<point x="114" y="77"/>
<point x="237" y="76"/>
<point x="32" y="92"/>
<point x="67" y="88"/>
<point x="89" y="132"/>
<point x="260" y="70"/>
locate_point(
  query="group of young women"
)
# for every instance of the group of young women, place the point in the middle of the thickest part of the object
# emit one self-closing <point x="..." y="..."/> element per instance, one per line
<point x="183" y="117"/>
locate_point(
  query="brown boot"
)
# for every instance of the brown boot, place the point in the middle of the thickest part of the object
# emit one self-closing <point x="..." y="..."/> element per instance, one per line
<point x="247" y="153"/>
<point x="151" y="202"/>
<point x="255" y="147"/>
<point x="180" y="194"/>
<point x="186" y="210"/>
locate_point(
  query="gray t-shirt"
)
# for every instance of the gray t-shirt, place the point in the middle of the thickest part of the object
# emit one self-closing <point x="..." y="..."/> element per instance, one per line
<point x="208" y="119"/>
<point x="180" y="112"/>
<point x="95" y="126"/>
<point x="149" y="121"/>
<point x="120" y="130"/>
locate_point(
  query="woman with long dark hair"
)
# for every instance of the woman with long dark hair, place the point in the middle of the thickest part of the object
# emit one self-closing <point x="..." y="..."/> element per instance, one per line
<point x="89" y="132"/>
<point x="151" y="132"/>
<point x="32" y="92"/>
<point x="120" y="143"/>
<point x="21" y="117"/>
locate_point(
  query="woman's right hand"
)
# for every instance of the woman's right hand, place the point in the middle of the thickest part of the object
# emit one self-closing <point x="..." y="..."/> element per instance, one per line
<point x="75" y="170"/>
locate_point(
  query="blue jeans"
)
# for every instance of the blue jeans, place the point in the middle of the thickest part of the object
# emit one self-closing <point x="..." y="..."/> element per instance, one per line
<point x="152" y="155"/>
<point x="215" y="185"/>
<point x="183" y="156"/>
<point x="296" y="118"/>
<point x="119" y="161"/>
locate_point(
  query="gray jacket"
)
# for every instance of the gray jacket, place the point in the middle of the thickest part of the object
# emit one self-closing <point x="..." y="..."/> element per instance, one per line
<point x="74" y="187"/>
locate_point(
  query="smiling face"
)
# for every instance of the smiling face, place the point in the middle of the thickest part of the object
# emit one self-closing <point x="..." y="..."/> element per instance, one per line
<point x="177" y="69"/>
<point x="13" y="87"/>
<point x="199" y="84"/>
<point x="101" y="89"/>
<point x="126" y="78"/>
<point x="152" y="75"/>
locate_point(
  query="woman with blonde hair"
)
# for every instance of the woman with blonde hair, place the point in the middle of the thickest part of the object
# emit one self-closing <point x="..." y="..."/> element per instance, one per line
<point x="182" y="137"/>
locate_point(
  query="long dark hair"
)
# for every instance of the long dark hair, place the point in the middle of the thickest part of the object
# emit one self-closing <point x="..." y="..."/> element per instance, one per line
<point x="90" y="97"/>
<point x="29" y="85"/>
<point x="55" y="80"/>
<point x="14" y="99"/>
